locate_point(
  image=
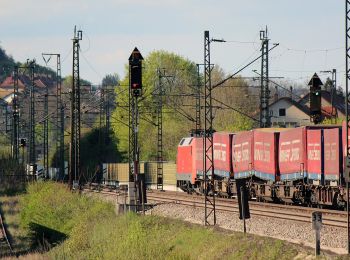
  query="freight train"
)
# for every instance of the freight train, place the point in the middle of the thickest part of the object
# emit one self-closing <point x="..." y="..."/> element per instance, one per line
<point x="301" y="165"/>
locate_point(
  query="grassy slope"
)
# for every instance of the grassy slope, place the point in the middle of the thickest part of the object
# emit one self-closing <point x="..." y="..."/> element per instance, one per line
<point x="18" y="236"/>
<point x="94" y="232"/>
<point x="136" y="237"/>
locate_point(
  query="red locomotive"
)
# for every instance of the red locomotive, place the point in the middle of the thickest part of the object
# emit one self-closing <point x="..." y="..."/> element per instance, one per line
<point x="298" y="165"/>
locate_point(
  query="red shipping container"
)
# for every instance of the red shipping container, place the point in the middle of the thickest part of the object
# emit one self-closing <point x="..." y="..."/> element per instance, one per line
<point x="242" y="158"/>
<point x="222" y="145"/>
<point x="314" y="154"/>
<point x="344" y="141"/>
<point x="184" y="160"/>
<point x="198" y="158"/>
<point x="292" y="154"/>
<point x="266" y="154"/>
<point x="332" y="154"/>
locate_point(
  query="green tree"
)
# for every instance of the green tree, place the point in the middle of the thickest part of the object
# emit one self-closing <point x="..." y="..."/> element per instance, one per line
<point x="179" y="104"/>
<point x="241" y="101"/>
<point x="176" y="105"/>
<point x="110" y="80"/>
<point x="328" y="84"/>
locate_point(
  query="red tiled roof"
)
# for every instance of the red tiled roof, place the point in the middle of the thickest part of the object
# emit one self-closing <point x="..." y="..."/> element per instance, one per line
<point x="327" y="111"/>
<point x="23" y="81"/>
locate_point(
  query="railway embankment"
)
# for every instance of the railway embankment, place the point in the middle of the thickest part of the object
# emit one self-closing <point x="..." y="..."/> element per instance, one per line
<point x="66" y="225"/>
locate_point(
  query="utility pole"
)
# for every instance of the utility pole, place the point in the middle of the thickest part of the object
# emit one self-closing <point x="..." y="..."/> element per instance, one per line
<point x="265" y="119"/>
<point x="333" y="94"/>
<point x="15" y="115"/>
<point x="101" y="123"/>
<point x="7" y="120"/>
<point x="160" y="131"/>
<point x="208" y="158"/>
<point x="347" y="105"/>
<point x="108" y="115"/>
<point x="32" y="154"/>
<point x="59" y="114"/>
<point x="198" y="102"/>
<point x="131" y="133"/>
<point x="160" y="158"/>
<point x="74" y="164"/>
<point x="46" y="133"/>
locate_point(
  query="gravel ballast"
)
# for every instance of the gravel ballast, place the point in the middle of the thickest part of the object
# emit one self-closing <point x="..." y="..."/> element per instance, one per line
<point x="332" y="238"/>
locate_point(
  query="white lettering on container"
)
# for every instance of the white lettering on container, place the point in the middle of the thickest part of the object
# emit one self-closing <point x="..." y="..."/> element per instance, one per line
<point x="288" y="153"/>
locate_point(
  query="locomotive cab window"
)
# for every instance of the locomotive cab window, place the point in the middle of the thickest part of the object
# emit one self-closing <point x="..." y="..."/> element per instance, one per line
<point x="282" y="112"/>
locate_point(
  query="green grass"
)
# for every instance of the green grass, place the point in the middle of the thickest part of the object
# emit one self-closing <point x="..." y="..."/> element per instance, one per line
<point x="51" y="212"/>
<point x="19" y="238"/>
<point x="136" y="237"/>
<point x="91" y="230"/>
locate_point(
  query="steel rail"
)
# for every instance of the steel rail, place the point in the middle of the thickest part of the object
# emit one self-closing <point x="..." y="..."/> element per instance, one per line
<point x="278" y="211"/>
<point x="5" y="238"/>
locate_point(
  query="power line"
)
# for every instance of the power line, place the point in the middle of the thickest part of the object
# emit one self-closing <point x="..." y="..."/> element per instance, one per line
<point x="241" y="69"/>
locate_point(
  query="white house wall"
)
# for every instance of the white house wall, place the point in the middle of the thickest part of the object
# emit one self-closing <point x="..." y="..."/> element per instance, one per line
<point x="294" y="116"/>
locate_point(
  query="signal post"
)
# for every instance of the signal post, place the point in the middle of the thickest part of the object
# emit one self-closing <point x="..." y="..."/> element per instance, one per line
<point x="136" y="192"/>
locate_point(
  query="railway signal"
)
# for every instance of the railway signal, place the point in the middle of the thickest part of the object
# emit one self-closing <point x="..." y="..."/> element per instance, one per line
<point x="315" y="99"/>
<point x="135" y="63"/>
<point x="23" y="142"/>
<point x="135" y="91"/>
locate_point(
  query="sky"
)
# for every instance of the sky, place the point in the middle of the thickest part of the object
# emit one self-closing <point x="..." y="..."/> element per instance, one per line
<point x="310" y="33"/>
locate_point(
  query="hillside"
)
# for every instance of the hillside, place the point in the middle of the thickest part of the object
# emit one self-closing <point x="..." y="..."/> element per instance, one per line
<point x="7" y="64"/>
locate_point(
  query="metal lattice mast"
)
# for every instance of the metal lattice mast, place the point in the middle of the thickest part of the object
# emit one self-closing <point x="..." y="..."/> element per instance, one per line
<point x="8" y="121"/>
<point x="59" y="119"/>
<point x="334" y="114"/>
<point x="46" y="132"/>
<point x="131" y="134"/>
<point x="101" y="128"/>
<point x="208" y="162"/>
<point x="31" y="155"/>
<point x="265" y="119"/>
<point x="108" y="115"/>
<point x="160" y="131"/>
<point x="59" y="114"/>
<point x="198" y="102"/>
<point x="15" y="116"/>
<point x="74" y="165"/>
<point x="347" y="106"/>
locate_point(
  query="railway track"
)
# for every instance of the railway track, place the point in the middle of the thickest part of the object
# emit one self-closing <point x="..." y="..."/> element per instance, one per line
<point x="5" y="244"/>
<point x="286" y="212"/>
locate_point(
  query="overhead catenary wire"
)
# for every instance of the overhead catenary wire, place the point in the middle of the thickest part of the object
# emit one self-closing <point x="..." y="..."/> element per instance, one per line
<point x="241" y="69"/>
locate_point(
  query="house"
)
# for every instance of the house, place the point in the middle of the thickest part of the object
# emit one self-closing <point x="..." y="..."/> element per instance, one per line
<point x="8" y="83"/>
<point x="41" y="83"/>
<point x="285" y="112"/>
<point x="6" y="95"/>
